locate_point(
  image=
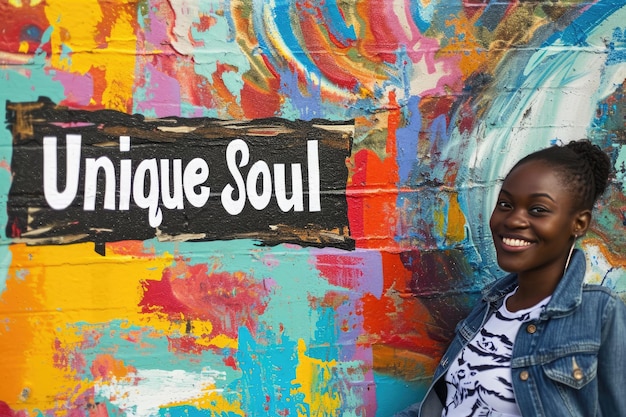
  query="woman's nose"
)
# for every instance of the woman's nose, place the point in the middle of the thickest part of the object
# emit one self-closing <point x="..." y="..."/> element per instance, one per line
<point x="516" y="219"/>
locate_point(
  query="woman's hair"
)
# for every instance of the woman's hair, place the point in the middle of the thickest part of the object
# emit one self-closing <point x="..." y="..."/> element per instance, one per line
<point x="584" y="168"/>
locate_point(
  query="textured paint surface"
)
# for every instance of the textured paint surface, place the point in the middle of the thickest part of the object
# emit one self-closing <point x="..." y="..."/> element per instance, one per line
<point x="444" y="96"/>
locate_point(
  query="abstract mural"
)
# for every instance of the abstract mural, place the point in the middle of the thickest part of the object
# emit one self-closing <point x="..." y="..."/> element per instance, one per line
<point x="274" y="207"/>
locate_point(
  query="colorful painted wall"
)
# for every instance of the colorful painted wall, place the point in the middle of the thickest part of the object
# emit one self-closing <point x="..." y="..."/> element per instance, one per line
<point x="274" y="207"/>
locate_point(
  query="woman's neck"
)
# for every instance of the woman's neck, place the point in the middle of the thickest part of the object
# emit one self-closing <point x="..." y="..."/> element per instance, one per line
<point x="530" y="291"/>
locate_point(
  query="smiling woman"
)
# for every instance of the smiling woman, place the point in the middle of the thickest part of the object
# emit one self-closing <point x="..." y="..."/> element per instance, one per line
<point x="541" y="342"/>
<point x="534" y="225"/>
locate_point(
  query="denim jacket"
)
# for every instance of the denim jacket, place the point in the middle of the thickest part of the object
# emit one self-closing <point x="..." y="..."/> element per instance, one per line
<point x="571" y="361"/>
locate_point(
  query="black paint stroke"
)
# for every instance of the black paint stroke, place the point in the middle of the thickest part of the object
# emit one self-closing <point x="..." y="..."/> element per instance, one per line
<point x="274" y="140"/>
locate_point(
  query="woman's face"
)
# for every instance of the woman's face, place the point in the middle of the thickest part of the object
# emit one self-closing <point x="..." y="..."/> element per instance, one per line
<point x="534" y="221"/>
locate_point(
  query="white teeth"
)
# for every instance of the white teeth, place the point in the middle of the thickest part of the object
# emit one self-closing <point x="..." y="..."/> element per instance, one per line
<point x="515" y="242"/>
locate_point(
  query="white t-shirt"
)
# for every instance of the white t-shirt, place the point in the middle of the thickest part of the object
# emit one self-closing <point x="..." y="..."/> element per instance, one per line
<point x="479" y="379"/>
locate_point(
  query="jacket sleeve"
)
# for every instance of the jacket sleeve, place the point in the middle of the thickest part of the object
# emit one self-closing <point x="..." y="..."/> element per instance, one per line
<point x="612" y="360"/>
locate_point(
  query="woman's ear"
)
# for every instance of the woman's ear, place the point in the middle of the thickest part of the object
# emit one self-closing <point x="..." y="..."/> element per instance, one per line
<point x="581" y="222"/>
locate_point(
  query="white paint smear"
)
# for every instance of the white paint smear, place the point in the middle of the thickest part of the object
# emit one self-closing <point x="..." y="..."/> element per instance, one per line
<point x="143" y="393"/>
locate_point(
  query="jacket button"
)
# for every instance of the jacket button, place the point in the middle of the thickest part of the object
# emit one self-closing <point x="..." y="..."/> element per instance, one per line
<point x="578" y="374"/>
<point x="524" y="375"/>
<point x="531" y="328"/>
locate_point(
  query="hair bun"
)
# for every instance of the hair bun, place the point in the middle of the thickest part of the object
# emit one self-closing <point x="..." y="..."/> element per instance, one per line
<point x="596" y="159"/>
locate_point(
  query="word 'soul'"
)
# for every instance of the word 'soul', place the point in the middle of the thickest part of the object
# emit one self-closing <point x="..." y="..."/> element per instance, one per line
<point x="154" y="184"/>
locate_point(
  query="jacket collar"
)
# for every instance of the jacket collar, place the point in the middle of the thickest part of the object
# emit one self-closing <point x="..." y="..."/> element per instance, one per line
<point x="566" y="297"/>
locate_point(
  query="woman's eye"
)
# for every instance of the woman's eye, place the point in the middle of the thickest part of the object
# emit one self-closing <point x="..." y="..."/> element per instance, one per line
<point x="539" y="210"/>
<point x="503" y="204"/>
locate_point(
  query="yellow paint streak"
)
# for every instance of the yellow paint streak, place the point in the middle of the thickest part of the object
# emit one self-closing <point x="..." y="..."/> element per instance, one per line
<point x="215" y="402"/>
<point x="121" y="73"/>
<point x="406" y="364"/>
<point x="79" y="46"/>
<point x="465" y="46"/>
<point x="439" y="219"/>
<point x="201" y="330"/>
<point x="20" y="3"/>
<point x="313" y="377"/>
<point x="23" y="48"/>
<point x="49" y="289"/>
<point x="221" y="341"/>
<point x="455" y="232"/>
<point x="451" y="226"/>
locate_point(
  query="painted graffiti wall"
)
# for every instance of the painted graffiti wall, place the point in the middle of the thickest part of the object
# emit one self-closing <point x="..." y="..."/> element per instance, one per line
<point x="274" y="207"/>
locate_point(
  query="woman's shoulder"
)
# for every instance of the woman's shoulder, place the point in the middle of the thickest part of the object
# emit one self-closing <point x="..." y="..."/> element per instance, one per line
<point x="602" y="291"/>
<point x="594" y="294"/>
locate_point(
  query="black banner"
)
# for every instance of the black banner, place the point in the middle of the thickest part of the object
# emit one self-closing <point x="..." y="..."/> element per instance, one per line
<point x="106" y="176"/>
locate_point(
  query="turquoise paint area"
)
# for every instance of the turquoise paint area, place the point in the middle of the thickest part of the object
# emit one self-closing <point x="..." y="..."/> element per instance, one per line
<point x="271" y="384"/>
<point x="325" y="346"/>
<point x="404" y="393"/>
<point x="191" y="411"/>
<point x="337" y="24"/>
<point x="620" y="167"/>
<point x="22" y="84"/>
<point x="579" y="32"/>
<point x="219" y="48"/>
<point x="269" y="377"/>
<point x="140" y="352"/>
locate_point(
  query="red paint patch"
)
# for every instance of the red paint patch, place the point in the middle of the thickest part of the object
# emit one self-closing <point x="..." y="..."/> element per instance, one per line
<point x="398" y="320"/>
<point x="186" y="344"/>
<point x="206" y="22"/>
<point x="230" y="361"/>
<point x="339" y="270"/>
<point x="23" y="25"/>
<point x="228" y="301"/>
<point x="6" y="411"/>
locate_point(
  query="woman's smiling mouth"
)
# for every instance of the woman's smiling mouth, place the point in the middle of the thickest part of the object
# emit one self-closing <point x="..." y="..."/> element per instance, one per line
<point x="517" y="243"/>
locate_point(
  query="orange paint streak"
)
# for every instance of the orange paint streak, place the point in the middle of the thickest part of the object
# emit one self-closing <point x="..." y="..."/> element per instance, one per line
<point x="16" y="304"/>
<point x="98" y="75"/>
<point x="106" y="368"/>
<point x="224" y="96"/>
<point x="402" y="363"/>
<point x="471" y="56"/>
<point x="134" y="248"/>
<point x="372" y="193"/>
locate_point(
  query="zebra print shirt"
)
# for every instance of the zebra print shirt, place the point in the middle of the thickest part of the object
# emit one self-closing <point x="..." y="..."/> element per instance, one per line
<point x="479" y="379"/>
